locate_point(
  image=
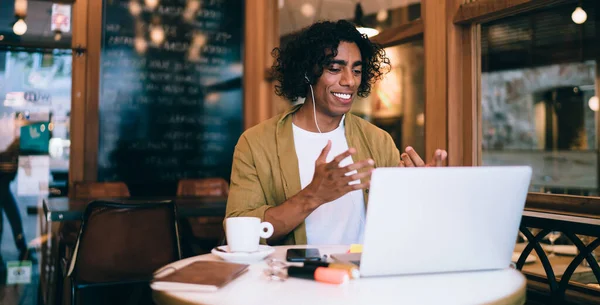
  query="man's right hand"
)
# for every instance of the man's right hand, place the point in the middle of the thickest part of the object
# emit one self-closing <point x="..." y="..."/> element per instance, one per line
<point x="330" y="181"/>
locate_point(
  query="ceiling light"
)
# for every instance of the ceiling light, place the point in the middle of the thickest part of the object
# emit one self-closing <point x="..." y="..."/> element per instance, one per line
<point x="307" y="10"/>
<point x="157" y="34"/>
<point x="20" y="27"/>
<point x="151" y="4"/>
<point x="579" y="16"/>
<point x="594" y="103"/>
<point x="382" y="15"/>
<point x="135" y="8"/>
<point x="140" y="45"/>
<point x="358" y="16"/>
<point x="20" y="8"/>
<point x="370" y="32"/>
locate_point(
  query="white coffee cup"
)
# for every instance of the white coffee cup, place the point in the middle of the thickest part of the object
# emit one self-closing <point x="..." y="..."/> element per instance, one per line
<point x="244" y="233"/>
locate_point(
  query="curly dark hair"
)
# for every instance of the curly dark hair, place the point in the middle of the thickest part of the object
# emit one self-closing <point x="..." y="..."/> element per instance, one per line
<point x="311" y="50"/>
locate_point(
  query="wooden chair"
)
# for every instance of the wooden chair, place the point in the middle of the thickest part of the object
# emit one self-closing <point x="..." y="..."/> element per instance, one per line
<point x="68" y="231"/>
<point x="203" y="187"/>
<point x="201" y="234"/>
<point x="99" y="190"/>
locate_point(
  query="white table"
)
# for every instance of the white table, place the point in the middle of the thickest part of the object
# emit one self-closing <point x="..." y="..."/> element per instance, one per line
<point x="486" y="287"/>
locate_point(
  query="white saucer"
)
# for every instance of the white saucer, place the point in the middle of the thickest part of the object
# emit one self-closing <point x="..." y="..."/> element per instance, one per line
<point x="244" y="257"/>
<point x="530" y="259"/>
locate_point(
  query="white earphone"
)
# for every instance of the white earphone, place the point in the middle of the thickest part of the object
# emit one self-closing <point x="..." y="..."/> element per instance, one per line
<point x="362" y="219"/>
<point x="313" y="101"/>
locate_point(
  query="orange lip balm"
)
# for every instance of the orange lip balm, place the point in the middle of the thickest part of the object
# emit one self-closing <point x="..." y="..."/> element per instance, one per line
<point x="319" y="274"/>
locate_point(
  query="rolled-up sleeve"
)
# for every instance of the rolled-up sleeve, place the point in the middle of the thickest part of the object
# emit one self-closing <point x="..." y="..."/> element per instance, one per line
<point x="246" y="197"/>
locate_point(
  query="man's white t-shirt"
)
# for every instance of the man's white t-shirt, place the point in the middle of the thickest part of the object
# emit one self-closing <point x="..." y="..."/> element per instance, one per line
<point x="340" y="221"/>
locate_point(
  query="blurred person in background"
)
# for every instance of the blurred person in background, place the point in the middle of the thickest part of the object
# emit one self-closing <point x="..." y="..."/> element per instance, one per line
<point x="8" y="170"/>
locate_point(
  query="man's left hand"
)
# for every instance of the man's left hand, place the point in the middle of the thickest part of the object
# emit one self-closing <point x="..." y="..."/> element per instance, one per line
<point x="411" y="159"/>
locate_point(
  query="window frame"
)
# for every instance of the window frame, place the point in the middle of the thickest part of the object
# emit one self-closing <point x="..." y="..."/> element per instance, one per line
<point x="467" y="21"/>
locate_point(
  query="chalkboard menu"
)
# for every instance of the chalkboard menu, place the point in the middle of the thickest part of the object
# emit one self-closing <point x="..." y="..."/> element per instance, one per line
<point x="171" y="89"/>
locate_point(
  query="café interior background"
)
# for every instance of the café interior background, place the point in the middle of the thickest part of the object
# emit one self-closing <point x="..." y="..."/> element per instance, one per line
<point x="538" y="92"/>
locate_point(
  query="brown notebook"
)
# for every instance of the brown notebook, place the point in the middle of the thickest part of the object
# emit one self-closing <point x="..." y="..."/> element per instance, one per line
<point x="200" y="276"/>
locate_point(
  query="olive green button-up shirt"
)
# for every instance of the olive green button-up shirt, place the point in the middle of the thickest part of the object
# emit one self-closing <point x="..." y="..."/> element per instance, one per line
<point x="265" y="166"/>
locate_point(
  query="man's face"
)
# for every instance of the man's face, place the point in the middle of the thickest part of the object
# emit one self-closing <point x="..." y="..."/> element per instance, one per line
<point x="337" y="86"/>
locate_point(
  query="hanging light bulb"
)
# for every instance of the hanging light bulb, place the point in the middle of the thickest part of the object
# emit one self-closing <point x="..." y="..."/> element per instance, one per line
<point x="579" y="16"/>
<point x="157" y="34"/>
<point x="151" y="4"/>
<point x="135" y="8"/>
<point x="140" y="44"/>
<point x="358" y="15"/>
<point x="307" y="10"/>
<point x="594" y="103"/>
<point x="20" y="8"/>
<point x="382" y="15"/>
<point x="57" y="35"/>
<point x="370" y="32"/>
<point x="20" y="27"/>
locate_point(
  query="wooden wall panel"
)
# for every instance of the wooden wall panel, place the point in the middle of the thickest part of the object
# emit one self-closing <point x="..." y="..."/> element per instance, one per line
<point x="94" y="32"/>
<point x="463" y="93"/>
<point x="436" y="65"/>
<point x="487" y="10"/>
<point x="78" y="91"/>
<point x="262" y="35"/>
<point x="400" y="34"/>
<point x="456" y="95"/>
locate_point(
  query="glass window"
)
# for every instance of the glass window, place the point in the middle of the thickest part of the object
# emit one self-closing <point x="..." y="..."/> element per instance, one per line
<point x="539" y="96"/>
<point x="47" y="24"/>
<point x="36" y="87"/>
<point x="35" y="106"/>
<point x="397" y="102"/>
<point x="35" y="103"/>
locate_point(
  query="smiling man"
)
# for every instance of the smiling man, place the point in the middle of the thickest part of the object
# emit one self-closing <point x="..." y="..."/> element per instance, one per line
<point x="307" y="171"/>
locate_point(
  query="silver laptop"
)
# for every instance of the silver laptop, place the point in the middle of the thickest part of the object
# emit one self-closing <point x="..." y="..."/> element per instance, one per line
<point x="445" y="219"/>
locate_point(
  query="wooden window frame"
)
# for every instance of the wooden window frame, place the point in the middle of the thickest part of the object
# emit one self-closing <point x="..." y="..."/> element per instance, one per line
<point x="390" y="37"/>
<point x="464" y="62"/>
<point x="401" y="34"/>
<point x="259" y="38"/>
<point x="79" y="93"/>
<point x="451" y="34"/>
<point x="485" y="10"/>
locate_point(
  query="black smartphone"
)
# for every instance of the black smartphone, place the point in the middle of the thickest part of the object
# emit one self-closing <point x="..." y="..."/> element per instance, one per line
<point x="302" y="255"/>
